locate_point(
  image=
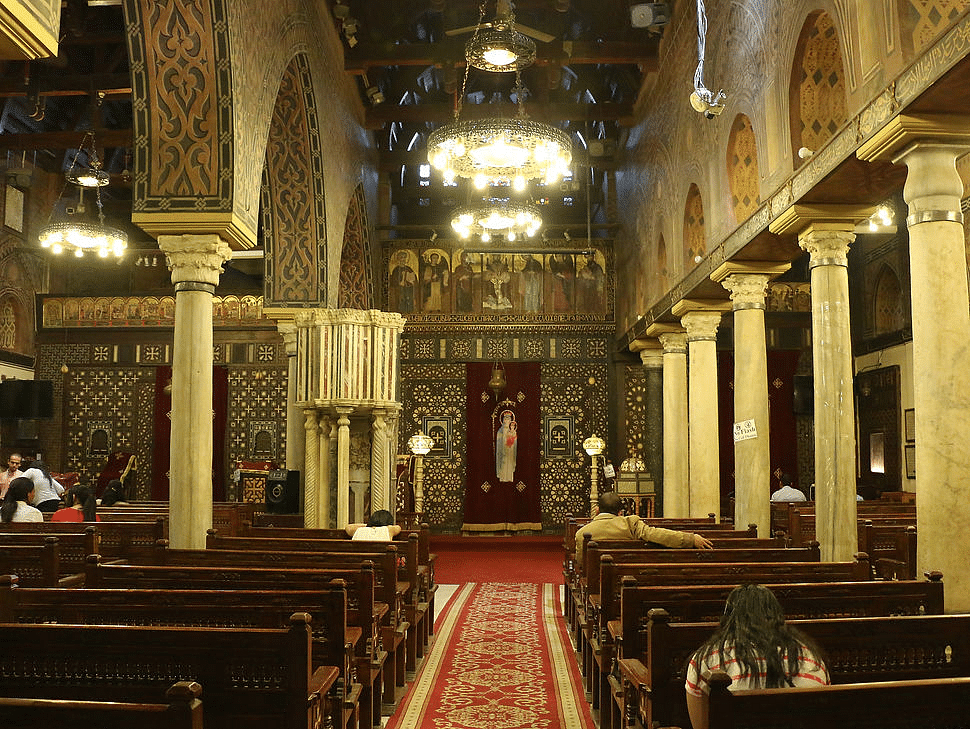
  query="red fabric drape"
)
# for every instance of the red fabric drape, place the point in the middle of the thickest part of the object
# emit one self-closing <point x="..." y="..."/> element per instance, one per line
<point x="783" y="446"/>
<point x="492" y="504"/>
<point x="163" y="433"/>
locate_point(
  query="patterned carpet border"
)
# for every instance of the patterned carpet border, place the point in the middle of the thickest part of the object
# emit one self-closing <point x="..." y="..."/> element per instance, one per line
<point x="491" y="633"/>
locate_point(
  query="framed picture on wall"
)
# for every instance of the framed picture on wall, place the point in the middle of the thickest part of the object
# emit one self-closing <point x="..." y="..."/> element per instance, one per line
<point x="439" y="429"/>
<point x="558" y="437"/>
<point x="909" y="425"/>
<point x="910" y="453"/>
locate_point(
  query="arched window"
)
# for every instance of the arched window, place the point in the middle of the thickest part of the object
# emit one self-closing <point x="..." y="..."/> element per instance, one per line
<point x="888" y="302"/>
<point x="694" y="245"/>
<point x="742" y="169"/>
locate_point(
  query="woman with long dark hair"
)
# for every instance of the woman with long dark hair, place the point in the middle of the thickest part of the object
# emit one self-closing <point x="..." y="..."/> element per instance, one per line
<point x="16" y="502"/>
<point x="80" y="505"/>
<point x="755" y="647"/>
<point x="47" y="491"/>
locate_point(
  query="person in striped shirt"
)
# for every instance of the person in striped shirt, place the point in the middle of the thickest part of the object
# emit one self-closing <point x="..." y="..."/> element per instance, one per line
<point x="755" y="647"/>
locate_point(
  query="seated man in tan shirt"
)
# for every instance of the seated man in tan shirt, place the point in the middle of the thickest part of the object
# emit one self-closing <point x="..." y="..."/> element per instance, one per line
<point x="610" y="523"/>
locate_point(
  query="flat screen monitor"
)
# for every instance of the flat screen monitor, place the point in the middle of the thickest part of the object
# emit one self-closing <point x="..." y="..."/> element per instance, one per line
<point x="26" y="399"/>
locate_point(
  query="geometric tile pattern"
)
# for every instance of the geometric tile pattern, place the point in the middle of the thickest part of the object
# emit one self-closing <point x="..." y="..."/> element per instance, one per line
<point x="743" y="169"/>
<point x="635" y="409"/>
<point x="930" y="17"/>
<point x="694" y="243"/>
<point x="256" y="395"/>
<point x="356" y="282"/>
<point x="821" y="89"/>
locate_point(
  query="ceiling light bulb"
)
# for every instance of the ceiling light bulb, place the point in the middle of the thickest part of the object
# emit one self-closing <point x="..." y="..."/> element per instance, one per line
<point x="510" y="236"/>
<point x="518" y="184"/>
<point x="872" y="226"/>
<point x="78" y="253"/>
<point x="57" y="248"/>
<point x="499" y="56"/>
<point x="486" y="237"/>
<point x="480" y="181"/>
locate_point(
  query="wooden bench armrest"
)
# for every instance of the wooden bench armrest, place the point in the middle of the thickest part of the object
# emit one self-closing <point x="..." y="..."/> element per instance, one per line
<point x="380" y="610"/>
<point x="353" y="634"/>
<point x="615" y="628"/>
<point x="322" y="680"/>
<point x="634" y="672"/>
<point x="75" y="580"/>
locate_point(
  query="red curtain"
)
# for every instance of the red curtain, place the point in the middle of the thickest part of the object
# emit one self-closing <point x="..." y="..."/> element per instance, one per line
<point x="504" y="447"/>
<point x="783" y="446"/>
<point x="163" y="433"/>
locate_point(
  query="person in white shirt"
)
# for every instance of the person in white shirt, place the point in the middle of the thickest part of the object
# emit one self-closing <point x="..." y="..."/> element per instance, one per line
<point x="787" y="492"/>
<point x="379" y="528"/>
<point x="16" y="506"/>
<point x="47" y="491"/>
<point x="13" y="471"/>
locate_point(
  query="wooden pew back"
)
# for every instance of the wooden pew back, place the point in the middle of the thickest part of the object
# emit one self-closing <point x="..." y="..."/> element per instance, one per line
<point x="183" y="711"/>
<point x="929" y="704"/>
<point x="252" y="678"/>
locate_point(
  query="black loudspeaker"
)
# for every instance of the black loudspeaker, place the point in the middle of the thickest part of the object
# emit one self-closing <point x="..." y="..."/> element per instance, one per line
<point x="26" y="399"/>
<point x="283" y="492"/>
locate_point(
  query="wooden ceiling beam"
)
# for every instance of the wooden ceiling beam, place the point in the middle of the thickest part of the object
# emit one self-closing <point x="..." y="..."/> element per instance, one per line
<point x="69" y="85"/>
<point x="365" y="56"/>
<point x="378" y="116"/>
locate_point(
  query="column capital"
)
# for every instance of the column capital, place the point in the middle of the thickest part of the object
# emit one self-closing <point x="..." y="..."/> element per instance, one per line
<point x="903" y="130"/>
<point x="674" y="342"/>
<point x="826" y="247"/>
<point x="195" y="258"/>
<point x="288" y="330"/>
<point x="747" y="281"/>
<point x="701" y="326"/>
<point x="651" y="351"/>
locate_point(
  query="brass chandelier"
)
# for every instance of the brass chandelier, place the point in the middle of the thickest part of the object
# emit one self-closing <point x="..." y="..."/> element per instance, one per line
<point x="497" y="217"/>
<point x="499" y="151"/>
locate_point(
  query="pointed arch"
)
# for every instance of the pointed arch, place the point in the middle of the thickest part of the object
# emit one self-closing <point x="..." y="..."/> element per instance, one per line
<point x="663" y="274"/>
<point x="887" y="302"/>
<point x="742" y="168"/>
<point x="294" y="221"/>
<point x="356" y="272"/>
<point x="817" y="102"/>
<point x="694" y="242"/>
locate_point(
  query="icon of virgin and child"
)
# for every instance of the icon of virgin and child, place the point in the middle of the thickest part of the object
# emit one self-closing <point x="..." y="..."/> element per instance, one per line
<point x="506" y="447"/>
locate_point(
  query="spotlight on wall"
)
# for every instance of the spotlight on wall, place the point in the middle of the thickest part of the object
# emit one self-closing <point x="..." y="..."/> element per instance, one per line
<point x="565" y="234"/>
<point x="805" y="152"/>
<point x="708" y="104"/>
<point x="434" y="236"/>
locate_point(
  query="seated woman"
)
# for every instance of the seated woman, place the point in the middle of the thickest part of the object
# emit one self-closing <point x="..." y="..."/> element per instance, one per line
<point x="379" y="528"/>
<point x="755" y="647"/>
<point x="47" y="490"/>
<point x="80" y="505"/>
<point x="114" y="494"/>
<point x="16" y="502"/>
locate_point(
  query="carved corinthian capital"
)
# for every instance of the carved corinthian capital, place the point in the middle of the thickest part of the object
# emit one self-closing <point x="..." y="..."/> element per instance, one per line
<point x="827" y="247"/>
<point x="747" y="289"/>
<point x="195" y="258"/>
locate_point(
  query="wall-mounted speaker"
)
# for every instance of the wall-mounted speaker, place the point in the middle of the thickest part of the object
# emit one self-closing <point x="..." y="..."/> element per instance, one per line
<point x="283" y="492"/>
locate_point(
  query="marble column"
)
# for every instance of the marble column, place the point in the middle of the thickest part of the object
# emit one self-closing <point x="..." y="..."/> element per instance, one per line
<point x="835" y="471"/>
<point x="325" y="438"/>
<point x="747" y="284"/>
<point x="941" y="353"/>
<point x="379" y="468"/>
<point x="675" y="497"/>
<point x="343" y="466"/>
<point x="195" y="262"/>
<point x="311" y="475"/>
<point x="701" y="321"/>
<point x="652" y="357"/>
<point x="393" y="424"/>
<point x="295" y="436"/>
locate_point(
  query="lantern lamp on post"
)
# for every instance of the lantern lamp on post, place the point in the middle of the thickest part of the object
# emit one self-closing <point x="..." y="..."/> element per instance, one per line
<point x="593" y="446"/>
<point x="420" y="445"/>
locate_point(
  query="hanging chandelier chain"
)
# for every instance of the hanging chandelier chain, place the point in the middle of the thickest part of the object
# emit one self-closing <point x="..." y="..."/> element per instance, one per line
<point x="464" y="79"/>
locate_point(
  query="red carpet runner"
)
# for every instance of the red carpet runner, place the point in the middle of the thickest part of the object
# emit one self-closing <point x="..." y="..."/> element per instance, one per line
<point x="500" y="660"/>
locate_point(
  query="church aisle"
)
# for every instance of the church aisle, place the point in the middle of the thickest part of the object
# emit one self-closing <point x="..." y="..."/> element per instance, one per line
<point x="501" y="659"/>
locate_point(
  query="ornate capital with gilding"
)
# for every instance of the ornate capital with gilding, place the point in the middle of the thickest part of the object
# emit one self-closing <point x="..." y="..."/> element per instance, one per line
<point x="195" y="258"/>
<point x="827" y="246"/>
<point x="701" y="326"/>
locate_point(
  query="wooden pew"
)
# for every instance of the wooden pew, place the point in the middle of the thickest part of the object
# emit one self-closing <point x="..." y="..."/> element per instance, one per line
<point x="73" y="549"/>
<point x="114" y="538"/>
<point x="602" y="578"/>
<point x="387" y="639"/>
<point x="334" y="642"/>
<point x="891" y="548"/>
<point x="705" y="603"/>
<point x="37" y="565"/>
<point x="252" y="678"/>
<point x="183" y="710"/>
<point x="406" y="590"/>
<point x="855" y="650"/>
<point x="801" y="526"/>
<point x="928" y="703"/>
<point x="426" y="560"/>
